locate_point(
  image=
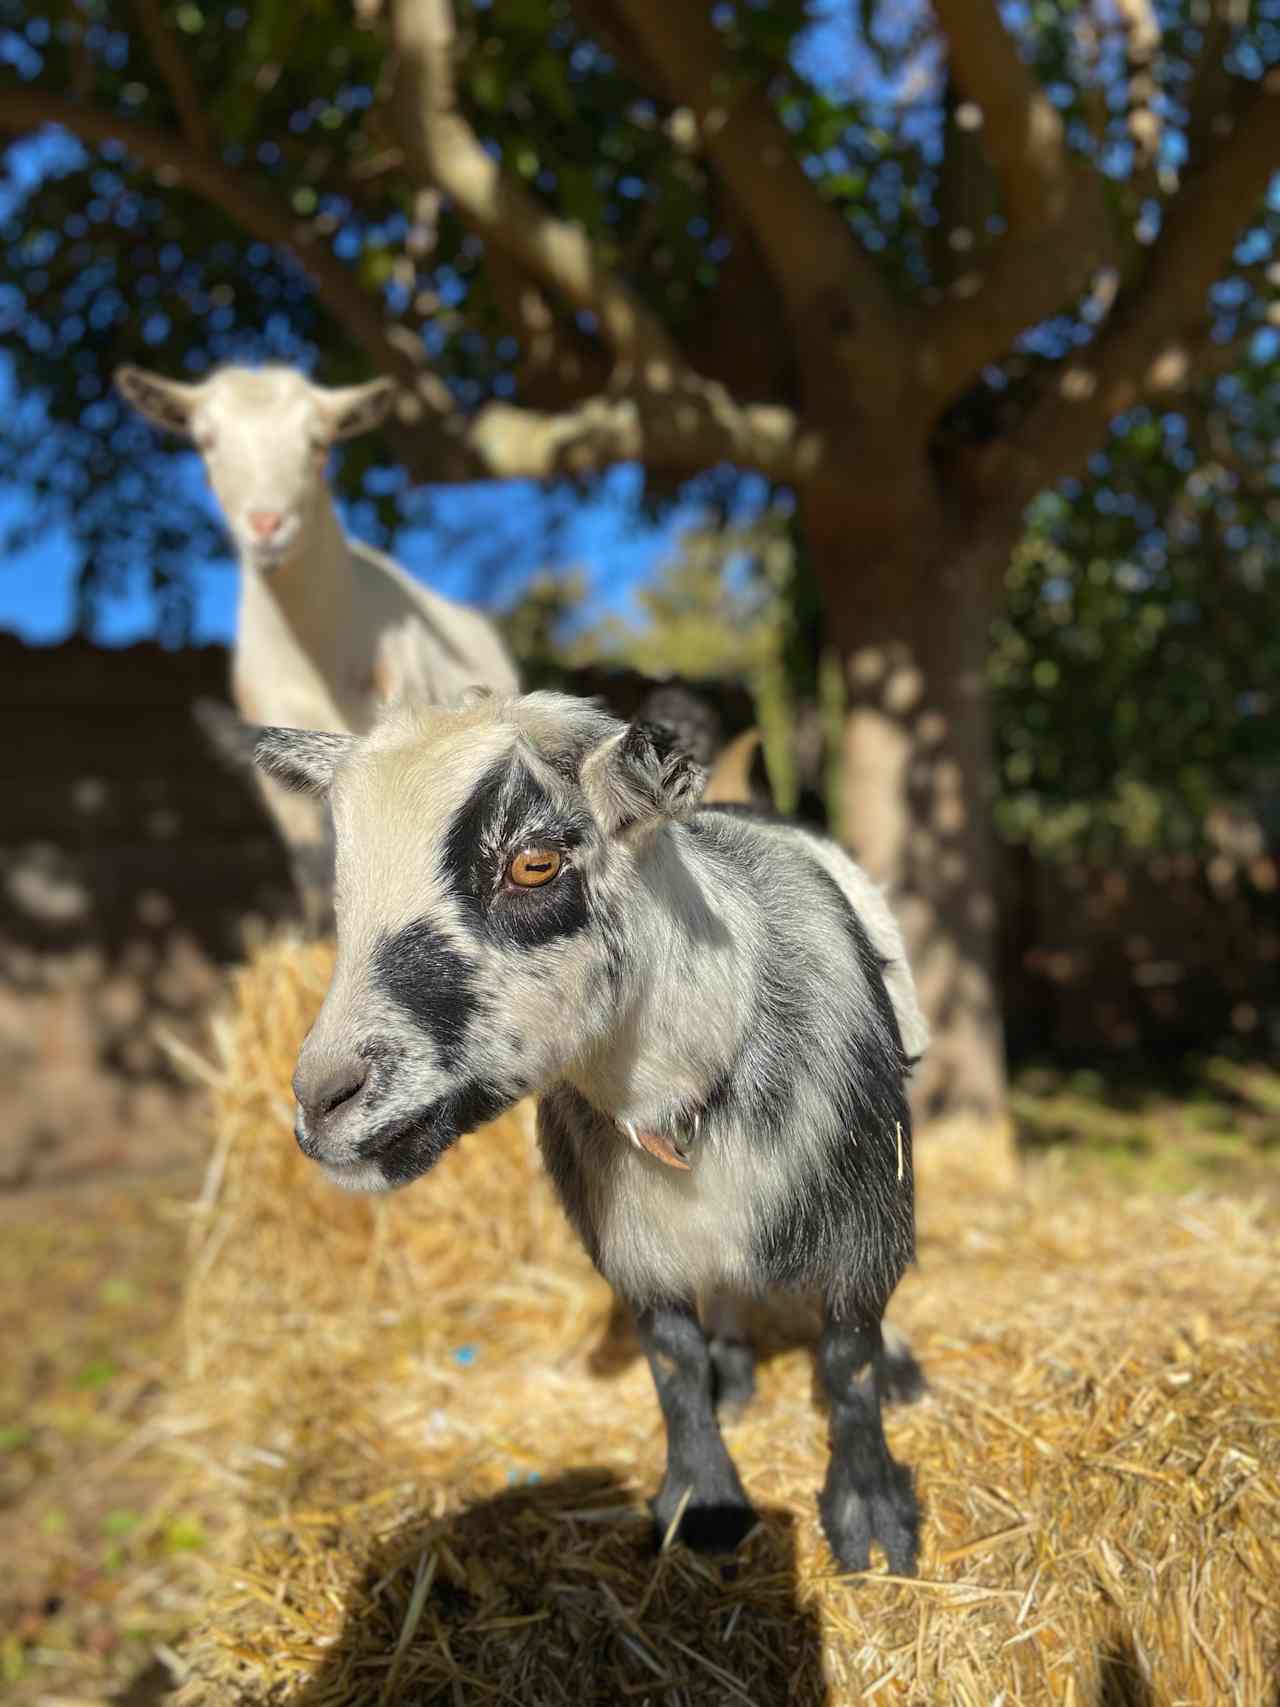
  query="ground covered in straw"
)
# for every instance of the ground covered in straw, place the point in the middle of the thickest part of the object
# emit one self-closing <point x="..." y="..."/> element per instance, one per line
<point x="416" y="1446"/>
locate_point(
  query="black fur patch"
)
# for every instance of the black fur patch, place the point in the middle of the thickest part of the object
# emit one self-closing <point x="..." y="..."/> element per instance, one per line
<point x="507" y="808"/>
<point x="852" y="1233"/>
<point x="562" y="1113"/>
<point x="534" y="917"/>
<point x="848" y="1231"/>
<point x="407" y="1149"/>
<point x="641" y="737"/>
<point x="480" y="1101"/>
<point x="425" y="975"/>
<point x="463" y="864"/>
<point x="645" y="743"/>
<point x="614" y="941"/>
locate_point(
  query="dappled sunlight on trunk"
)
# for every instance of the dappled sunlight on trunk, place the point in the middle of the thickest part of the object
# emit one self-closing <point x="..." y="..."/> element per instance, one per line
<point x="910" y="620"/>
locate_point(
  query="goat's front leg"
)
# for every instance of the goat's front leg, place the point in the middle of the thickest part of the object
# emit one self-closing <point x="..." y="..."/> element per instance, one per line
<point x="700" y="1474"/>
<point x="868" y="1496"/>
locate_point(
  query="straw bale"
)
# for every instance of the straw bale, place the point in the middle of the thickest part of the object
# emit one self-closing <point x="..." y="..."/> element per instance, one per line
<point x="427" y="1444"/>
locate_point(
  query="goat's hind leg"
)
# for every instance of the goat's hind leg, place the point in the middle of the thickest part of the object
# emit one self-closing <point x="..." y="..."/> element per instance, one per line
<point x="701" y="1483"/>
<point x="733" y="1358"/>
<point x="868" y="1495"/>
<point x="902" y="1381"/>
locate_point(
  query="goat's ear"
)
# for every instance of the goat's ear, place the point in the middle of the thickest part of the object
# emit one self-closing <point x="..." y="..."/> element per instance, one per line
<point x="641" y="776"/>
<point x="350" y="410"/>
<point x="165" y="402"/>
<point x="302" y="759"/>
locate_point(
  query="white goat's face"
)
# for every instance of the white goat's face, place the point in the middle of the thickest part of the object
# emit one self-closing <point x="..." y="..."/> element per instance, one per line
<point x="265" y="436"/>
<point x="481" y="854"/>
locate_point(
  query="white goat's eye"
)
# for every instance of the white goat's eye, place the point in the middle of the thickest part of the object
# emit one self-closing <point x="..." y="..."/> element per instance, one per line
<point x="533" y="867"/>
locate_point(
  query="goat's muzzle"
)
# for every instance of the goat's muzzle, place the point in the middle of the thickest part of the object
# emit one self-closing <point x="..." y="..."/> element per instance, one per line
<point x="328" y="1095"/>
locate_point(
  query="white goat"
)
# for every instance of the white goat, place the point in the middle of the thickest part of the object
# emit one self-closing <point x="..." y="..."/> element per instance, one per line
<point x="714" y="1010"/>
<point x="328" y="630"/>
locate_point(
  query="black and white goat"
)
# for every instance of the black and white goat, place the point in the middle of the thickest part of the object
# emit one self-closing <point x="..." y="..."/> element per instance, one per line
<point x="714" y="1011"/>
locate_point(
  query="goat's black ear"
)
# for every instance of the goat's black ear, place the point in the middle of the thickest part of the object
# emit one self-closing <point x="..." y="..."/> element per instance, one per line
<point x="641" y="776"/>
<point x="302" y="759"/>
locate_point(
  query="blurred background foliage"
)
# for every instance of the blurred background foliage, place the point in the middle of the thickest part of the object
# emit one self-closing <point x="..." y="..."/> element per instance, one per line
<point x="1134" y="663"/>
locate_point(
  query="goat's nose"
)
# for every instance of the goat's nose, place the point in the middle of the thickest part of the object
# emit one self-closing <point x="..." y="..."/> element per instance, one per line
<point x="265" y="522"/>
<point x="321" y="1095"/>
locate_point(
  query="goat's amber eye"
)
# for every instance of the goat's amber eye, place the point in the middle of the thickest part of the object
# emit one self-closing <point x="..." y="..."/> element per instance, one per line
<point x="532" y="867"/>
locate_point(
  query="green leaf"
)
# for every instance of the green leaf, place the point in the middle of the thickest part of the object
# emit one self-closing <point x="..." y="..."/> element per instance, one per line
<point x="118" y="1524"/>
<point x="96" y="1373"/>
<point x="184" y="1535"/>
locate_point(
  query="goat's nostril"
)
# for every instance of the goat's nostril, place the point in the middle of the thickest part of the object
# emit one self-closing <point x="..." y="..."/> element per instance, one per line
<point x="265" y="522"/>
<point x="334" y="1095"/>
<point x="333" y="1091"/>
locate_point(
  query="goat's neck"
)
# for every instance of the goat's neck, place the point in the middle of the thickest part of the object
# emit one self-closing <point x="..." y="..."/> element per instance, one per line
<point x="312" y="588"/>
<point x="676" y="1031"/>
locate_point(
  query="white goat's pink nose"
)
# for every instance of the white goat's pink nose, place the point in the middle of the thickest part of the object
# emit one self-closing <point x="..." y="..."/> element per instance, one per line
<point x="265" y="522"/>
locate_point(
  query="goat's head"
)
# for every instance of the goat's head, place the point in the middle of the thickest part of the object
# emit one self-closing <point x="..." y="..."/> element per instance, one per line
<point x="484" y="859"/>
<point x="265" y="436"/>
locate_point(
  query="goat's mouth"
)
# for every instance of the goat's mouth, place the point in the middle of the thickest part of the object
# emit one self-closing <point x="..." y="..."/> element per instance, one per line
<point x="401" y="1151"/>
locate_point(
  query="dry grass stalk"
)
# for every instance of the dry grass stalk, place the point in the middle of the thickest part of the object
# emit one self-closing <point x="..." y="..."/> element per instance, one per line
<point x="430" y="1469"/>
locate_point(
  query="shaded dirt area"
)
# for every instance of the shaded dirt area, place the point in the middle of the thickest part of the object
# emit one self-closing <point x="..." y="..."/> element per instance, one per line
<point x="92" y="1545"/>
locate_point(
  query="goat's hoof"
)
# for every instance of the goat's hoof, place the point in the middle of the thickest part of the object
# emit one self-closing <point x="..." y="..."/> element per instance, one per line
<point x="888" y="1513"/>
<point x="706" y="1525"/>
<point x="733" y="1368"/>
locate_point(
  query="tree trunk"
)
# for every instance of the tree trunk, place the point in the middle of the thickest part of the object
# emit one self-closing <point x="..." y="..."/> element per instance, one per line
<point x="909" y="607"/>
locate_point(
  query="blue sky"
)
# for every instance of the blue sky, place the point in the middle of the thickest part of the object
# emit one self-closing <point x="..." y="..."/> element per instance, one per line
<point x="603" y="536"/>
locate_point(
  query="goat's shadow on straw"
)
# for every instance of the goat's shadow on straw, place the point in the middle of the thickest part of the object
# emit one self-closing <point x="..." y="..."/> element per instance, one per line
<point x="556" y="1593"/>
<point x="1121" y="1681"/>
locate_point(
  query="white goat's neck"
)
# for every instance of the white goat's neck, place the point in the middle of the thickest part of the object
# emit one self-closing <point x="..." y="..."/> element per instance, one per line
<point x="653" y="1069"/>
<point x="312" y="589"/>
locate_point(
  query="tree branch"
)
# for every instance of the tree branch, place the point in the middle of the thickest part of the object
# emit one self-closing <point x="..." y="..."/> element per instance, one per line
<point x="680" y="429"/>
<point x="675" y="420"/>
<point x="1158" y="339"/>
<point x="740" y="335"/>
<point x="841" y="311"/>
<point x="1057" y="234"/>
<point x="557" y="366"/>
<point x="442" y="148"/>
<point x="1022" y="133"/>
<point x="169" y="62"/>
<point x="1142" y="35"/>
<point x="426" y="405"/>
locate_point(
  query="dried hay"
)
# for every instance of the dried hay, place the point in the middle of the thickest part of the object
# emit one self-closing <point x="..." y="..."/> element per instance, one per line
<point x="430" y="1451"/>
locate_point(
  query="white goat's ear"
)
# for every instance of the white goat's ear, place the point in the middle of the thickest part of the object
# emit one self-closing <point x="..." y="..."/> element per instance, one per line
<point x="165" y="402"/>
<point x="641" y="776"/>
<point x="302" y="759"/>
<point x="350" y="410"/>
